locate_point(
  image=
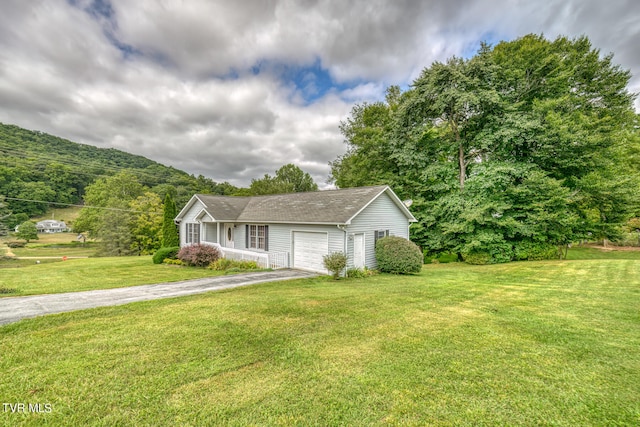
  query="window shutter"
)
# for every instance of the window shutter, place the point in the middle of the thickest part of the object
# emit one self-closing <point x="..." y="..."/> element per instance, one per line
<point x="266" y="238"/>
<point x="246" y="236"/>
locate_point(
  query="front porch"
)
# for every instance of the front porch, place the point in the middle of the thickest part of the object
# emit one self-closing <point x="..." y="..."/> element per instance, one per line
<point x="224" y="235"/>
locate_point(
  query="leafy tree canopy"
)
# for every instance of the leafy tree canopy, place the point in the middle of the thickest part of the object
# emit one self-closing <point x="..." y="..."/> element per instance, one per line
<point x="288" y="179"/>
<point x="27" y="231"/>
<point x="528" y="141"/>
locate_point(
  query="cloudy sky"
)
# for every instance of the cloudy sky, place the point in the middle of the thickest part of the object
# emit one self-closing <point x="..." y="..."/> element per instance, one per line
<point x="235" y="89"/>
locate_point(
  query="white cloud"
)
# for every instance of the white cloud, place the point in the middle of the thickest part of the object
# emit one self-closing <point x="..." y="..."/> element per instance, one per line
<point x="175" y="81"/>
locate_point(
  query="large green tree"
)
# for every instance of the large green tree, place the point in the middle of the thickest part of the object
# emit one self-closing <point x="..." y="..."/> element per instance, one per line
<point x="552" y="120"/>
<point x="288" y="179"/>
<point x="366" y="131"/>
<point x="107" y="215"/>
<point x="146" y="223"/>
<point x="27" y="231"/>
<point x="104" y="197"/>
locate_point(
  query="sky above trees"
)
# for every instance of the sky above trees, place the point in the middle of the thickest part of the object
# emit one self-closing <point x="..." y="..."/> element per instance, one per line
<point x="234" y="90"/>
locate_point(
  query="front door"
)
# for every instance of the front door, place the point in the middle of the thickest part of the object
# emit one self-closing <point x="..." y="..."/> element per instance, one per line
<point x="228" y="236"/>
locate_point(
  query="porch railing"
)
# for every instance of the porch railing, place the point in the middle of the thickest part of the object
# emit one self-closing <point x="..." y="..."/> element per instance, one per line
<point x="273" y="260"/>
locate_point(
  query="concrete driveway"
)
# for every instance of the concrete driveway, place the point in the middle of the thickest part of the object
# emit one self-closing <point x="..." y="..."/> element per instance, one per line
<point x="13" y="309"/>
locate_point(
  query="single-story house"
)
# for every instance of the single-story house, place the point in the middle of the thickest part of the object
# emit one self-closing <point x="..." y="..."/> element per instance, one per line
<point x="297" y="230"/>
<point x="49" y="226"/>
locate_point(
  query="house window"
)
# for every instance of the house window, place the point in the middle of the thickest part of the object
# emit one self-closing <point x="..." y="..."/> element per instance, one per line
<point x="192" y="233"/>
<point x="258" y="237"/>
<point x="379" y="234"/>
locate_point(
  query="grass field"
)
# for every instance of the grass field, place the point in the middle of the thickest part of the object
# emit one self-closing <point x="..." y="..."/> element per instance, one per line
<point x="91" y="273"/>
<point x="536" y="343"/>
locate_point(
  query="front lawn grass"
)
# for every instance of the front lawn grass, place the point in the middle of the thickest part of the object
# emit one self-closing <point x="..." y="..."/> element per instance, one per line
<point x="58" y="250"/>
<point x="93" y="273"/>
<point x="535" y="343"/>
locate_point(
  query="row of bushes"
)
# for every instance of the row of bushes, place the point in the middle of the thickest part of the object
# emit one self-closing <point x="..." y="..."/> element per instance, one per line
<point x="506" y="252"/>
<point x="394" y="255"/>
<point x="200" y="256"/>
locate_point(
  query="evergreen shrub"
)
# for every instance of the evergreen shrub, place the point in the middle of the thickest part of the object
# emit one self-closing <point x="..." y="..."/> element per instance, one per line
<point x="398" y="255"/>
<point x="163" y="253"/>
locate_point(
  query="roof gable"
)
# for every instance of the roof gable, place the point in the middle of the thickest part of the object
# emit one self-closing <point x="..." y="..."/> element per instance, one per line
<point x="318" y="207"/>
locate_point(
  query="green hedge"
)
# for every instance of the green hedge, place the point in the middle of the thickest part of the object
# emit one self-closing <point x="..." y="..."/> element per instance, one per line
<point x="534" y="251"/>
<point x="398" y="255"/>
<point x="162" y="253"/>
<point x="225" y="264"/>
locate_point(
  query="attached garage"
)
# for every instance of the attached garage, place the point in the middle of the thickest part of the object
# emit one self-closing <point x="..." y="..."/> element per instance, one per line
<point x="309" y="248"/>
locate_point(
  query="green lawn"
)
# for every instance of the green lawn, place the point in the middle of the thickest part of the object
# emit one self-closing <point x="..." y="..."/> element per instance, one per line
<point x="55" y="250"/>
<point x="91" y="273"/>
<point x="536" y="343"/>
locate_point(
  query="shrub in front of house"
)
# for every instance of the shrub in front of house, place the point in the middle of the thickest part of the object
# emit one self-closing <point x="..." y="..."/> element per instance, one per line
<point x="398" y="255"/>
<point x="198" y="255"/>
<point x="226" y="264"/>
<point x="335" y="262"/>
<point x="165" y="253"/>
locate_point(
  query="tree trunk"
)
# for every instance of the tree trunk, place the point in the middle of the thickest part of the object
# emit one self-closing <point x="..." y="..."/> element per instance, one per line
<point x="461" y="160"/>
<point x="462" y="166"/>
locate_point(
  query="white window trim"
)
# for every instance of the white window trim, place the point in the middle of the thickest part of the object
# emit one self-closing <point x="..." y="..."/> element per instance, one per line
<point x="254" y="239"/>
<point x="192" y="233"/>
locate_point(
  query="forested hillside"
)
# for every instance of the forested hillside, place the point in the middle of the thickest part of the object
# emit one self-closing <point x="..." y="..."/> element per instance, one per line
<point x="36" y="167"/>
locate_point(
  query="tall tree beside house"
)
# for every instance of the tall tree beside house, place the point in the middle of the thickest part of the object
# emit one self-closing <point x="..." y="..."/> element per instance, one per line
<point x="470" y="138"/>
<point x="367" y="132"/>
<point x="170" y="236"/>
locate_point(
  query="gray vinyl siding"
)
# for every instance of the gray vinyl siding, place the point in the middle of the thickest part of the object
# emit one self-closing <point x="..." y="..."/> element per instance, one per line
<point x="381" y="214"/>
<point x="280" y="236"/>
<point x="189" y="217"/>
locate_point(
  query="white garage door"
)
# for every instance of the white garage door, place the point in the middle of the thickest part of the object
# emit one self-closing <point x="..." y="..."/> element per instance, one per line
<point x="309" y="249"/>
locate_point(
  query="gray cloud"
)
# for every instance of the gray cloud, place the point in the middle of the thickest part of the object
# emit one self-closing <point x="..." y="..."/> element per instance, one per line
<point x="206" y="86"/>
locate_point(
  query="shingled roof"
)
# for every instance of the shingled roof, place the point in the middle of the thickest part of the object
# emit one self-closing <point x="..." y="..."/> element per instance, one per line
<point x="318" y="207"/>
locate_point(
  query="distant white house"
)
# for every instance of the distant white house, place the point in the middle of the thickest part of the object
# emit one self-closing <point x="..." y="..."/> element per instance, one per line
<point x="297" y="230"/>
<point x="51" y="226"/>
